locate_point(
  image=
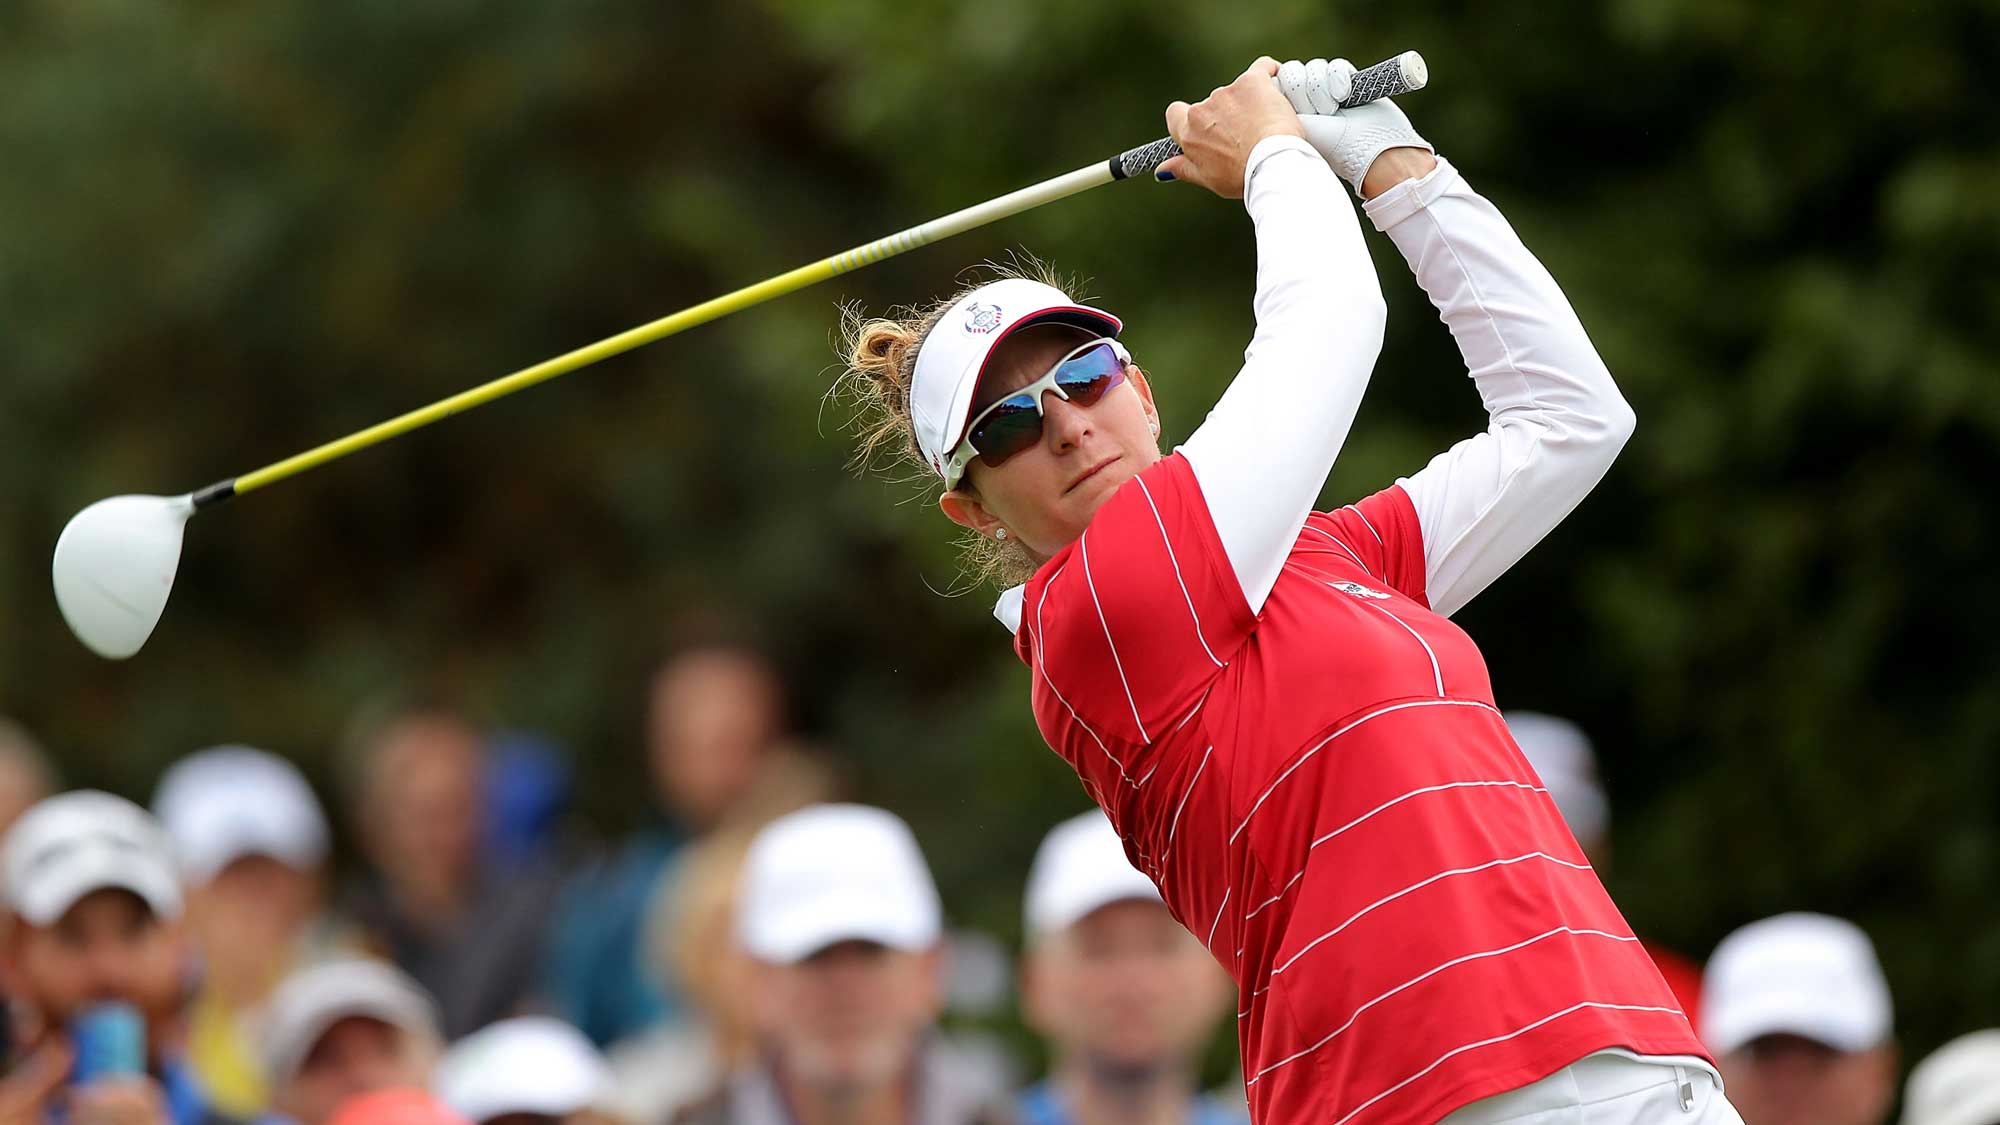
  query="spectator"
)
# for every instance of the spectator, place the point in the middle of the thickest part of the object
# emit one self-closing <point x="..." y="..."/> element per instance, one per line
<point x="1126" y="997"/>
<point x="342" y="1029"/>
<point x="528" y="1071"/>
<point x="471" y="935"/>
<point x="690" y="933"/>
<point x="96" y="919"/>
<point x="252" y="845"/>
<point x="1958" y="1084"/>
<point x="842" y="922"/>
<point x="1797" y="1012"/>
<point x="25" y="774"/>
<point x="714" y="719"/>
<point x="1564" y="759"/>
<point x="693" y="941"/>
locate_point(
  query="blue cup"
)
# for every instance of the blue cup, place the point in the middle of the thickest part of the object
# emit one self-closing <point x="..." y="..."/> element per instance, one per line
<point x="110" y="1042"/>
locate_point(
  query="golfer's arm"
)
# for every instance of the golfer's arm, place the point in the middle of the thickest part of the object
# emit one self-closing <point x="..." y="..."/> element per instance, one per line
<point x="1556" y="419"/>
<point x="1264" y="452"/>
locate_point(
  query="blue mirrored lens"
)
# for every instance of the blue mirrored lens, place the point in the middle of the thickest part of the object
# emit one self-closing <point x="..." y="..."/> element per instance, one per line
<point x="1015" y="422"/>
<point x="1085" y="378"/>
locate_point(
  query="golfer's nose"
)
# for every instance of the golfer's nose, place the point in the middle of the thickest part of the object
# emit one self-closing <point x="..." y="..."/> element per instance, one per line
<point x="1064" y="423"/>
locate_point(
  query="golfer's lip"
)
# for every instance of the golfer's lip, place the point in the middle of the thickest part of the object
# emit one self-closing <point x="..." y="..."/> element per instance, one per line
<point x="1088" y="473"/>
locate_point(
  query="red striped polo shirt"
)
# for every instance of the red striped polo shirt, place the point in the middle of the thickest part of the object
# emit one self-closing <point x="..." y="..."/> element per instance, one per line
<point x="1326" y="795"/>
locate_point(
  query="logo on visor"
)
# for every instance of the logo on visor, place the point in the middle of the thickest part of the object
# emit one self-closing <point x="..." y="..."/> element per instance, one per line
<point x="981" y="319"/>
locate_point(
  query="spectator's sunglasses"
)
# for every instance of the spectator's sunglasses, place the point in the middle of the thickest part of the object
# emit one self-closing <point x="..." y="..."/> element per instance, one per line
<point x="1014" y="423"/>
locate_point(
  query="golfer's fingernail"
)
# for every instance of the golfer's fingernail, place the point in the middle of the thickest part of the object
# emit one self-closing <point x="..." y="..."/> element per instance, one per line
<point x="1164" y="176"/>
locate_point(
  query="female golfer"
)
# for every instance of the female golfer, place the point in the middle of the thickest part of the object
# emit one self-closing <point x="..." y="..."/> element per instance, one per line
<point x="1268" y="701"/>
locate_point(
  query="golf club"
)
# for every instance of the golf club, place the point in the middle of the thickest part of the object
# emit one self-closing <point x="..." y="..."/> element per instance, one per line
<point x="115" y="560"/>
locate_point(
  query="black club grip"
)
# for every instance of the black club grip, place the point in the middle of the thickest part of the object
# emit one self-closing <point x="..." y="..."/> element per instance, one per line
<point x="1386" y="79"/>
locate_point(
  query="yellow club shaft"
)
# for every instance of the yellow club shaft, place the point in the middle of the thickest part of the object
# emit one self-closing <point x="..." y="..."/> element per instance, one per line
<point x="713" y="309"/>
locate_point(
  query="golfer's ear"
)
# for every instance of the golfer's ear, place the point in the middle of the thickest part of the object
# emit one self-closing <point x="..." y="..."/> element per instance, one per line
<point x="1136" y="375"/>
<point x="965" y="510"/>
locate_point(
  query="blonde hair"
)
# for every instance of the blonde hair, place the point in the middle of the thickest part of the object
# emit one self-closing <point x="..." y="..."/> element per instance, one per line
<point x="880" y="354"/>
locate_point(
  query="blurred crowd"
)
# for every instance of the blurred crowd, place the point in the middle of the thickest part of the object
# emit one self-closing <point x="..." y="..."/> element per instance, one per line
<point x="765" y="954"/>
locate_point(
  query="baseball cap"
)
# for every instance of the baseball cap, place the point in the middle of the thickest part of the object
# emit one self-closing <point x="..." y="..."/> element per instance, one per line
<point x="221" y="804"/>
<point x="1080" y="866"/>
<point x="1809" y="975"/>
<point x="954" y="352"/>
<point x="1957" y="1084"/>
<point x="1562" y="757"/>
<point x="395" y="1107"/>
<point x="309" y="1002"/>
<point x="533" y="1064"/>
<point x="833" y="873"/>
<point x="68" y="845"/>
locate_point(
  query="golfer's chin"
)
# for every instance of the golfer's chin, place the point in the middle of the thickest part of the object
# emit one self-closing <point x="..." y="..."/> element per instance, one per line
<point x="1077" y="504"/>
<point x="1089" y="495"/>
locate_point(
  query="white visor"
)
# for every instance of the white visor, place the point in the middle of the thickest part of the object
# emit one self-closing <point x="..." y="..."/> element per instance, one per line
<point x="953" y="355"/>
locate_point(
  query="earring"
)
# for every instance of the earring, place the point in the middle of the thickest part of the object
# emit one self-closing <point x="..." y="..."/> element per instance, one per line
<point x="1154" y="426"/>
<point x="1000" y="533"/>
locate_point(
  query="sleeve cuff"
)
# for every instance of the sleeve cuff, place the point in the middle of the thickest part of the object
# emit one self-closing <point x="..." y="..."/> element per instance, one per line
<point x="1410" y="196"/>
<point x="1276" y="143"/>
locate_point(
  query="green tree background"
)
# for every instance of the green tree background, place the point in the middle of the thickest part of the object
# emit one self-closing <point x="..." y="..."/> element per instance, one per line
<point x="232" y="230"/>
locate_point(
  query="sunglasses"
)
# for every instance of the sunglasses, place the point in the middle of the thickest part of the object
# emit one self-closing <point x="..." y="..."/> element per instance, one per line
<point x="1014" y="423"/>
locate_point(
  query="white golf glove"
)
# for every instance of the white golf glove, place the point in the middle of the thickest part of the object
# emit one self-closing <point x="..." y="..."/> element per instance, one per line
<point x="1349" y="139"/>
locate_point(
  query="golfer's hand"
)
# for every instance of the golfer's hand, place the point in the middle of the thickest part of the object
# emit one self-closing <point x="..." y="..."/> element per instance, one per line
<point x="1217" y="133"/>
<point x="123" y="1101"/>
<point x="26" y="1091"/>
<point x="1371" y="146"/>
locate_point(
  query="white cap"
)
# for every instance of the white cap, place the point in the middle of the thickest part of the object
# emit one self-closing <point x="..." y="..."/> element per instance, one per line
<point x="1081" y="866"/>
<point x="1562" y="757"/>
<point x="228" y="802"/>
<point x="71" y="844"/>
<point x="953" y="354"/>
<point x="1958" y="1084"/>
<point x="1797" y="974"/>
<point x="533" y="1064"/>
<point x="309" y="1002"/>
<point x="833" y="873"/>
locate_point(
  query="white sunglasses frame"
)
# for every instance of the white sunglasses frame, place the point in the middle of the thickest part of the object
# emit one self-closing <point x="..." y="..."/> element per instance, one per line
<point x="954" y="468"/>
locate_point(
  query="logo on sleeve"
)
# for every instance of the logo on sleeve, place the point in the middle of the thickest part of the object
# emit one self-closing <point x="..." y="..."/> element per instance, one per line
<point x="981" y="319"/>
<point x="1356" y="589"/>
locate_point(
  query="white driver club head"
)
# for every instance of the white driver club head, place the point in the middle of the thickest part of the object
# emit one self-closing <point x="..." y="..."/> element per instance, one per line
<point x="114" y="568"/>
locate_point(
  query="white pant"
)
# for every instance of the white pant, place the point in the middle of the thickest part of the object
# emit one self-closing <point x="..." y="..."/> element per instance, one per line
<point x="1608" y="1089"/>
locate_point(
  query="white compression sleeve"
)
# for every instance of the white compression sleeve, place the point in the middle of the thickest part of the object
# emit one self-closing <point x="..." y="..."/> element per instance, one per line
<point x="1264" y="451"/>
<point x="1556" y="419"/>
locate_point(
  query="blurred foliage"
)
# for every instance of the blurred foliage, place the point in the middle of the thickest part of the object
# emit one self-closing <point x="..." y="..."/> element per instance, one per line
<point x="233" y="230"/>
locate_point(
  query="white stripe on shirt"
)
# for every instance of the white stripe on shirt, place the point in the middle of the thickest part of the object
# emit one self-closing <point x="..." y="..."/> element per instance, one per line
<point x="1175" y="559"/>
<point x="1514" y="1034"/>
<point x="1041" y="666"/>
<point x="1419" y="885"/>
<point x="1363" y="517"/>
<point x="1335" y="540"/>
<point x="1384" y="807"/>
<point x="1426" y="975"/>
<point x="1378" y="712"/>
<point x="1083" y="545"/>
